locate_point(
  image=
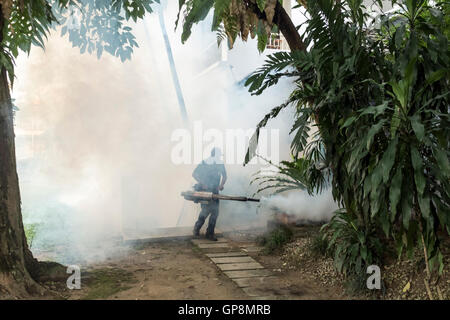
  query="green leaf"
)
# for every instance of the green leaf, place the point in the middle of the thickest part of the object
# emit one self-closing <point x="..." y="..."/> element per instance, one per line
<point x="441" y="262"/>
<point x="400" y="92"/>
<point x="262" y="36"/>
<point x="406" y="209"/>
<point x="220" y="8"/>
<point x="417" y="163"/>
<point x="376" y="178"/>
<point x="424" y="204"/>
<point x="197" y="13"/>
<point x="436" y="76"/>
<point x="388" y="159"/>
<point x="375" y="110"/>
<point x="261" y="4"/>
<point x="395" y="121"/>
<point x="372" y="132"/>
<point x="418" y="127"/>
<point x="395" y="192"/>
<point x="348" y="122"/>
<point x="442" y="161"/>
<point x="398" y="37"/>
<point x="385" y="224"/>
<point x="410" y="73"/>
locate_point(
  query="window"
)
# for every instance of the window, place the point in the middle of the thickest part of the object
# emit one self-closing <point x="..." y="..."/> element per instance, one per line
<point x="275" y="41"/>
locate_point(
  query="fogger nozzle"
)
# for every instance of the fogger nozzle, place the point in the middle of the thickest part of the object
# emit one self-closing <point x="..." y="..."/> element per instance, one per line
<point x="198" y="196"/>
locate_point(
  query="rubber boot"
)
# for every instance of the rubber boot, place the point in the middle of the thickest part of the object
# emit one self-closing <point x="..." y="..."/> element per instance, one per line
<point x="211" y="236"/>
<point x="196" y="233"/>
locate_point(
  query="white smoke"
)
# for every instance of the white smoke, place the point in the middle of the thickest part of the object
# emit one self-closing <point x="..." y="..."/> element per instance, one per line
<point x="317" y="208"/>
<point x="100" y="162"/>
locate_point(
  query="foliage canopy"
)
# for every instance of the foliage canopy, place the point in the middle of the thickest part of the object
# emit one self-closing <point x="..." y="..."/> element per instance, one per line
<point x="92" y="25"/>
<point x="232" y="18"/>
<point x="372" y="103"/>
<point x="377" y="91"/>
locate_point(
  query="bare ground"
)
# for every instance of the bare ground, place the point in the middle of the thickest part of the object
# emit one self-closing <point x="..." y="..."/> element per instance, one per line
<point x="179" y="270"/>
<point x="176" y="270"/>
<point x="401" y="279"/>
<point x="169" y="270"/>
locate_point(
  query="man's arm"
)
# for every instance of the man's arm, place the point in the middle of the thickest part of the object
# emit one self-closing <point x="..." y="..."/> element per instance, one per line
<point x="224" y="178"/>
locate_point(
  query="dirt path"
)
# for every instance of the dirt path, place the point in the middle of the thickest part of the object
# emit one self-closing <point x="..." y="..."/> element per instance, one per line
<point x="168" y="270"/>
<point x="174" y="270"/>
<point x="179" y="270"/>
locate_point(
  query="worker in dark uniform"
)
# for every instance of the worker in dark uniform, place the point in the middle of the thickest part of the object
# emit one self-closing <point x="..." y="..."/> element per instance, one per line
<point x="211" y="177"/>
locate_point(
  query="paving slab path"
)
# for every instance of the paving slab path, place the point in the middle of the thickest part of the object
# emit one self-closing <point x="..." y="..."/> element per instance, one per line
<point x="247" y="273"/>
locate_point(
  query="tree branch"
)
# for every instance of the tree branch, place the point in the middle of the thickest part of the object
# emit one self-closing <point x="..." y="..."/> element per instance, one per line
<point x="284" y="23"/>
<point x="288" y="29"/>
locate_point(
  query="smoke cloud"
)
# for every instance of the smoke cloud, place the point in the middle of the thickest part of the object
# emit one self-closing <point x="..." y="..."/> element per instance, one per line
<point x="95" y="138"/>
<point x="317" y="208"/>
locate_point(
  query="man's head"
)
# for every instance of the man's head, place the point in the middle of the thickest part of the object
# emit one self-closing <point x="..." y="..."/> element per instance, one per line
<point x="216" y="152"/>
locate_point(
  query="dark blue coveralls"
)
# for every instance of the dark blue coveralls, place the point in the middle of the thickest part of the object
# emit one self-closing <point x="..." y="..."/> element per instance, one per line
<point x="209" y="177"/>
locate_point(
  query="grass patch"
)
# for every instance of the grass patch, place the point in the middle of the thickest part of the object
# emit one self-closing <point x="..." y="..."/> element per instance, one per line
<point x="196" y="250"/>
<point x="30" y="232"/>
<point x="319" y="246"/>
<point x="276" y="239"/>
<point x="107" y="282"/>
<point x="140" y="245"/>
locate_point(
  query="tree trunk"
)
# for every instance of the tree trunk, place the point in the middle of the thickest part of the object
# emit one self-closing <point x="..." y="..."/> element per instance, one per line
<point x="284" y="23"/>
<point x="15" y="280"/>
<point x="288" y="29"/>
<point x="16" y="260"/>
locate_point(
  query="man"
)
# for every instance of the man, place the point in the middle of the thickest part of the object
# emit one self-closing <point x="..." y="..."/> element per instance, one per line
<point x="211" y="177"/>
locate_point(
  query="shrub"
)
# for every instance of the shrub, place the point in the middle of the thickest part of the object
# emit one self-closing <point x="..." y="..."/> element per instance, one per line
<point x="319" y="246"/>
<point x="276" y="238"/>
<point x="353" y="248"/>
<point x="377" y="91"/>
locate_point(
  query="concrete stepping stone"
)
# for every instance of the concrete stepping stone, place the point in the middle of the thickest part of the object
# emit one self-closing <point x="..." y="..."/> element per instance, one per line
<point x="212" y="245"/>
<point x="252" y="249"/>
<point x="217" y="250"/>
<point x="206" y="241"/>
<point x="244" y="259"/>
<point x="247" y="273"/>
<point x="240" y="266"/>
<point x="226" y="254"/>
<point x="254" y="281"/>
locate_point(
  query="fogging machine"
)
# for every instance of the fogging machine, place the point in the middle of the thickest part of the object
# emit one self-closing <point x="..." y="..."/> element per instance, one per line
<point x="204" y="197"/>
